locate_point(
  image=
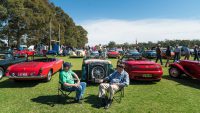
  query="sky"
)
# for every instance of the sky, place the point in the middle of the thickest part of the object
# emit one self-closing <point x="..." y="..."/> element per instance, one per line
<point x="129" y="20"/>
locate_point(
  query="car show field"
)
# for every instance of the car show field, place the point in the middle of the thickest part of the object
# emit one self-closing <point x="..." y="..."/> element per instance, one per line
<point x="170" y="95"/>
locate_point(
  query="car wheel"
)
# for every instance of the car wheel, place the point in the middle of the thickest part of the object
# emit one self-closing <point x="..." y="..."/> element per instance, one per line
<point x="98" y="72"/>
<point x="49" y="76"/>
<point x="1" y="73"/>
<point x="174" y="72"/>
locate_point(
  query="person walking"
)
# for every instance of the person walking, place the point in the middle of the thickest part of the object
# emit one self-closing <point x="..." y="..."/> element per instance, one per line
<point x="158" y="54"/>
<point x="196" y="51"/>
<point x="168" y="55"/>
<point x="187" y="53"/>
<point x="177" y="52"/>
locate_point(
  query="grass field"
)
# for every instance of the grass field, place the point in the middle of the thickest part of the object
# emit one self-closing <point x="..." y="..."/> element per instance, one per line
<point x="167" y="96"/>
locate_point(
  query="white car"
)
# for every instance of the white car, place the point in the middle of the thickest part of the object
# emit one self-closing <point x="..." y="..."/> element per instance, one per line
<point x="77" y="53"/>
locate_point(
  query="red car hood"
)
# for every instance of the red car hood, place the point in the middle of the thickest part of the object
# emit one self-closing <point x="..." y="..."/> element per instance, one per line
<point x="140" y="62"/>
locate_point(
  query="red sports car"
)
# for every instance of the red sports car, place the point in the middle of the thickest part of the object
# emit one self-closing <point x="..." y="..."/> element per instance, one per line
<point x="24" y="53"/>
<point x="113" y="54"/>
<point x="187" y="67"/>
<point x="140" y="68"/>
<point x="42" y="68"/>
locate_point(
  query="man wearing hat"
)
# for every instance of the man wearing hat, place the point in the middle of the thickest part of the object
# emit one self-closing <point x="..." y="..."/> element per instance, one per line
<point x="67" y="77"/>
<point x="117" y="80"/>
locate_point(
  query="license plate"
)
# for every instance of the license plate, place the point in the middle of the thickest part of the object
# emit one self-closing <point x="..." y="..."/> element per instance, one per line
<point x="147" y="75"/>
<point x="22" y="74"/>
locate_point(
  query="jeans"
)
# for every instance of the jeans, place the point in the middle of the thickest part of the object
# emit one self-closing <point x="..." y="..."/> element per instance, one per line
<point x="158" y="56"/>
<point x="176" y="56"/>
<point x="79" y="90"/>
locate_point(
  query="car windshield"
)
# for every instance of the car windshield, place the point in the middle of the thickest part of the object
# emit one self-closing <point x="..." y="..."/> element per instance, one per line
<point x="132" y="57"/>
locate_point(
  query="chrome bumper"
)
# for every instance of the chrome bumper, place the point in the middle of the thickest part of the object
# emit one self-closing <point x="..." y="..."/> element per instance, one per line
<point x="27" y="77"/>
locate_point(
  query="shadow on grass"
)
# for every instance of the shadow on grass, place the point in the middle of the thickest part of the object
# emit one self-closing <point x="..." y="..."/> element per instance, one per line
<point x="51" y="100"/>
<point x="184" y="80"/>
<point x="93" y="100"/>
<point x="136" y="82"/>
<point x="18" y="84"/>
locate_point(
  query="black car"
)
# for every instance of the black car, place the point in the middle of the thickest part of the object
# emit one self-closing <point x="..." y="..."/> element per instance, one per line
<point x="7" y="59"/>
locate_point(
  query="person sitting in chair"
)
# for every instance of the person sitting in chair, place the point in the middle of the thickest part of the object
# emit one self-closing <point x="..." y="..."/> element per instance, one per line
<point x="67" y="80"/>
<point x="117" y="80"/>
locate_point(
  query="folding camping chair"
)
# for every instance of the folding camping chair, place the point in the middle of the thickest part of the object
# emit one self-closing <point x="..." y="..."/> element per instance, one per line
<point x="62" y="91"/>
<point x="119" y="95"/>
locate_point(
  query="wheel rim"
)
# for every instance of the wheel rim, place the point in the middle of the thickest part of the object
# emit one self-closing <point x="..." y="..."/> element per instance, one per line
<point x="98" y="72"/>
<point x="174" y="72"/>
<point x="1" y="73"/>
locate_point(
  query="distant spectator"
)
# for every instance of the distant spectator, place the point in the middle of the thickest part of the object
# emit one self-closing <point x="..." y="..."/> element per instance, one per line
<point x="187" y="53"/>
<point x="168" y="55"/>
<point x="196" y="56"/>
<point x="177" y="52"/>
<point x="158" y="54"/>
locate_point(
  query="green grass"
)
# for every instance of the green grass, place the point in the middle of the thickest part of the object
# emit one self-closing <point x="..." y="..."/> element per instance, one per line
<point x="167" y="96"/>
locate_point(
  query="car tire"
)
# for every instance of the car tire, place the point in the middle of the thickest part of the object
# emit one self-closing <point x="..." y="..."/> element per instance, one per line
<point x="1" y="73"/>
<point x="174" y="72"/>
<point x="49" y="75"/>
<point x="98" y="72"/>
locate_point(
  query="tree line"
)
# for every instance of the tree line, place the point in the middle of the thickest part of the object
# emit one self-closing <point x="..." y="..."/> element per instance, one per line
<point x="165" y="43"/>
<point x="36" y="20"/>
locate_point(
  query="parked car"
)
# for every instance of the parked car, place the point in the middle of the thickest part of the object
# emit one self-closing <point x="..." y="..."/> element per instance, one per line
<point x="149" y="54"/>
<point x="141" y="68"/>
<point x="187" y="67"/>
<point x="7" y="59"/>
<point x="22" y="53"/>
<point x="95" y="70"/>
<point x="77" y="54"/>
<point x="40" y="68"/>
<point x="113" y="54"/>
<point x="134" y="53"/>
<point x="121" y="51"/>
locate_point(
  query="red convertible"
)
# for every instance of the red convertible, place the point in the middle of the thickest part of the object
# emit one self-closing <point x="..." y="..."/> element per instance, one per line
<point x="140" y="68"/>
<point x="42" y="68"/>
<point x="187" y="67"/>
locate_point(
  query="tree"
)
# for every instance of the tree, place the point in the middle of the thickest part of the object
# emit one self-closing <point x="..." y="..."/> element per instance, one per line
<point x="111" y="44"/>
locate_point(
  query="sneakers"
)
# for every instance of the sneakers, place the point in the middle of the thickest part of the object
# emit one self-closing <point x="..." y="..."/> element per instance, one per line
<point x="108" y="104"/>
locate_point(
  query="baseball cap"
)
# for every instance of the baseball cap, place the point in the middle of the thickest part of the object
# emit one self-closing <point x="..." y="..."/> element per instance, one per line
<point x="67" y="64"/>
